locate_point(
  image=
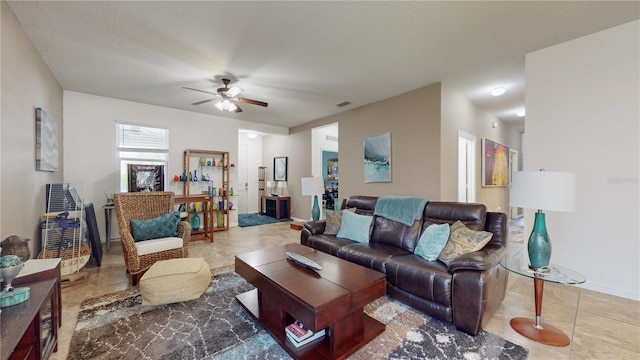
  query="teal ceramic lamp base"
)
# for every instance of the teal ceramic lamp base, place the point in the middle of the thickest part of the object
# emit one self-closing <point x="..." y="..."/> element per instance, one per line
<point x="315" y="211"/>
<point x="539" y="245"/>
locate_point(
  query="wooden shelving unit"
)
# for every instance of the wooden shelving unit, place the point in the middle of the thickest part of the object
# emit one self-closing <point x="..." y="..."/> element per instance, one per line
<point x="213" y="193"/>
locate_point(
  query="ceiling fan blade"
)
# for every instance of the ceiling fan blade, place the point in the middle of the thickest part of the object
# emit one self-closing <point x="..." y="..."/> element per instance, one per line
<point x="233" y="91"/>
<point x="206" y="92"/>
<point x="253" y="102"/>
<point x="238" y="109"/>
<point x="202" y="102"/>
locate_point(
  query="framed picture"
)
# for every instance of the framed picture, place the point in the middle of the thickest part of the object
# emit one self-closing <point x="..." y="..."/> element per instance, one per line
<point x="146" y="178"/>
<point x="46" y="142"/>
<point x="330" y="165"/>
<point x="377" y="158"/>
<point x="495" y="164"/>
<point x="280" y="168"/>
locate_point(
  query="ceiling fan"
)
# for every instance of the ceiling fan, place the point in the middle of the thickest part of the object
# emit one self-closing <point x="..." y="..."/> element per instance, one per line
<point x="226" y="96"/>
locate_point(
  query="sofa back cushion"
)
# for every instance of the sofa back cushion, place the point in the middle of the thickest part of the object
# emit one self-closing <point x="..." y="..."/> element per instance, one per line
<point x="472" y="215"/>
<point x="364" y="204"/>
<point x="391" y="232"/>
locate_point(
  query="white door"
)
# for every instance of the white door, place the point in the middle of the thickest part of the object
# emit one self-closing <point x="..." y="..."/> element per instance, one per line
<point x="466" y="167"/>
<point x="242" y="187"/>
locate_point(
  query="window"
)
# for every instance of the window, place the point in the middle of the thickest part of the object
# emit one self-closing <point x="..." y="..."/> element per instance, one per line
<point x="140" y="145"/>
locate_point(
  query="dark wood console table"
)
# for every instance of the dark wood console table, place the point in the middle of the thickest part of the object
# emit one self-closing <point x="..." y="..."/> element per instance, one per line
<point x="30" y="330"/>
<point x="278" y="207"/>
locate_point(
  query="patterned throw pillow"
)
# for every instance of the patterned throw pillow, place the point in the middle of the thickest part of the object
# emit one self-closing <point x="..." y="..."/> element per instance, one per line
<point x="163" y="226"/>
<point x="432" y="241"/>
<point x="355" y="227"/>
<point x="334" y="219"/>
<point x="463" y="240"/>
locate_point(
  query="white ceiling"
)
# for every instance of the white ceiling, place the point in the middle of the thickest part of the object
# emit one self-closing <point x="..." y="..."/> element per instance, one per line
<point x="303" y="58"/>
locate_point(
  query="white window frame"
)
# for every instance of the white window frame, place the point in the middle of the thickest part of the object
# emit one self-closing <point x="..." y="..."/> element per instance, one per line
<point x="139" y="154"/>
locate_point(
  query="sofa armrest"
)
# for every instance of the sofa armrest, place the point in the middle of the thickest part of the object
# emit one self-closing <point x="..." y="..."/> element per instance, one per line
<point x="480" y="260"/>
<point x="311" y="228"/>
<point x="315" y="227"/>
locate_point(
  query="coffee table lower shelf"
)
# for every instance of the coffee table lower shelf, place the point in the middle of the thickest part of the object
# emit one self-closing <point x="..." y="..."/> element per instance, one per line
<point x="318" y="349"/>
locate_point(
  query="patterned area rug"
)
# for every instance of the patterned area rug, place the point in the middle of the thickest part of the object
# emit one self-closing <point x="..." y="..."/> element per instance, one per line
<point x="245" y="220"/>
<point x="215" y="326"/>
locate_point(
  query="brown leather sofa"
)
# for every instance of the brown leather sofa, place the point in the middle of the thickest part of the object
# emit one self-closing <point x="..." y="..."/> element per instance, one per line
<point x="466" y="292"/>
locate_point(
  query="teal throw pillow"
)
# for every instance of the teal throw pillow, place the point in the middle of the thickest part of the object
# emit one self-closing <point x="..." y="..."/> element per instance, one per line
<point x="355" y="227"/>
<point x="163" y="226"/>
<point x="432" y="241"/>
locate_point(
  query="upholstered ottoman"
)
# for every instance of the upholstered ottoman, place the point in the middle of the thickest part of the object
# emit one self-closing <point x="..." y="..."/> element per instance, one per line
<point x="175" y="280"/>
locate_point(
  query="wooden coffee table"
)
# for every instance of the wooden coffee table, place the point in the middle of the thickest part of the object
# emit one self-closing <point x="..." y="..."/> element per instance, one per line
<point x="332" y="298"/>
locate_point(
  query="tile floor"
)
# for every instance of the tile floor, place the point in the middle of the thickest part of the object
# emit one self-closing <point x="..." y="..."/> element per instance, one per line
<point x="600" y="326"/>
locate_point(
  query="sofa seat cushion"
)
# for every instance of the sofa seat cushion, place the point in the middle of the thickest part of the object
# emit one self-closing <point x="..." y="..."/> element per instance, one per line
<point x="158" y="245"/>
<point x="429" y="280"/>
<point x="371" y="255"/>
<point x="175" y="280"/>
<point x="327" y="243"/>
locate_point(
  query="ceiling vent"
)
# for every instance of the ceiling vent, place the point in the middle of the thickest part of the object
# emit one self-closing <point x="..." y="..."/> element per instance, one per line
<point x="343" y="104"/>
<point x="331" y="138"/>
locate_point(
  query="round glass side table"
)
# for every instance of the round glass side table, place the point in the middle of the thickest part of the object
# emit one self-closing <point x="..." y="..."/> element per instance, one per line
<point x="535" y="329"/>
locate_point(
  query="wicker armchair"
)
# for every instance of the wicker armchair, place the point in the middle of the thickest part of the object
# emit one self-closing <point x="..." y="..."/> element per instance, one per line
<point x="144" y="206"/>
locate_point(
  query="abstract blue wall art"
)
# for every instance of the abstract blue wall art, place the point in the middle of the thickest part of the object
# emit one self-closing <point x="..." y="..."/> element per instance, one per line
<point x="377" y="158"/>
<point x="46" y="142"/>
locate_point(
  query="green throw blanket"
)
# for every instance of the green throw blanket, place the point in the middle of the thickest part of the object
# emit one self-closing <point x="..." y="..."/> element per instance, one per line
<point x="402" y="209"/>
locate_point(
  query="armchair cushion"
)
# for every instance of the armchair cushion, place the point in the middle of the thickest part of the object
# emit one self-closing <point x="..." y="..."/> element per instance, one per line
<point x="159" y="227"/>
<point x="158" y="245"/>
<point x="463" y="240"/>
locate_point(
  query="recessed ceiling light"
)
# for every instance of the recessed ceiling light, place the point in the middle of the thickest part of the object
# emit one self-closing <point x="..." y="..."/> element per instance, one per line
<point x="498" y="91"/>
<point x="521" y="113"/>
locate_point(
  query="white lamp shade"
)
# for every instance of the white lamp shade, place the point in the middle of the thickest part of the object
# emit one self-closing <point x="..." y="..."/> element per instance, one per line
<point x="269" y="184"/>
<point x="543" y="190"/>
<point x="282" y="184"/>
<point x="312" y="186"/>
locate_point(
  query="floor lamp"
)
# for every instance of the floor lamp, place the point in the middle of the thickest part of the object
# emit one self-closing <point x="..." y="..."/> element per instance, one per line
<point x="313" y="186"/>
<point x="542" y="190"/>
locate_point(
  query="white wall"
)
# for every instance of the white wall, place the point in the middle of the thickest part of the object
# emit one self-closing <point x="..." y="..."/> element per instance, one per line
<point x="27" y="83"/>
<point x="89" y="153"/>
<point x="583" y="110"/>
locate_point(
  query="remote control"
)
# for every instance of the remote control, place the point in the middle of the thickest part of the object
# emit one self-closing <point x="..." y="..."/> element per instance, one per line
<point x="303" y="261"/>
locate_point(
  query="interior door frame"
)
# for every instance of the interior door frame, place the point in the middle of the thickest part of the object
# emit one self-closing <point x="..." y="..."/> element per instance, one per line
<point x="467" y="149"/>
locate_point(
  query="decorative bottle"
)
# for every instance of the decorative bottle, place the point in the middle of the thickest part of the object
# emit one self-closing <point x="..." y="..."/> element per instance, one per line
<point x="195" y="222"/>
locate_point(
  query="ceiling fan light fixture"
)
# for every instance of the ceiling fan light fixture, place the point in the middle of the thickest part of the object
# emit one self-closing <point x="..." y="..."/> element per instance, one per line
<point x="219" y="105"/>
<point x="231" y="106"/>
<point x="498" y="91"/>
<point x="234" y="91"/>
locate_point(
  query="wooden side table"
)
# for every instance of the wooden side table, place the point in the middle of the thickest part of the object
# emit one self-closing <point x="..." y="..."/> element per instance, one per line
<point x="30" y="329"/>
<point x="278" y="207"/>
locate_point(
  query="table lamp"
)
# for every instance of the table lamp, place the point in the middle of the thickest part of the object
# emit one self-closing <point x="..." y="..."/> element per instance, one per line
<point x="313" y="186"/>
<point x="542" y="190"/>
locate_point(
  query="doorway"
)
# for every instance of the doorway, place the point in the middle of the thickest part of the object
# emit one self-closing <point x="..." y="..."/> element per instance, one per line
<point x="466" y="167"/>
<point x="514" y="212"/>
<point x="242" y="187"/>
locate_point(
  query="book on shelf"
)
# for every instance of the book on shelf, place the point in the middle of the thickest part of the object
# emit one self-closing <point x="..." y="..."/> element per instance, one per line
<point x="298" y="331"/>
<point x="314" y="336"/>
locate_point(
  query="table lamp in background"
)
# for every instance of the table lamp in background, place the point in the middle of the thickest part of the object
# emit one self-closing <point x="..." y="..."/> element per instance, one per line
<point x="542" y="190"/>
<point x="313" y="186"/>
